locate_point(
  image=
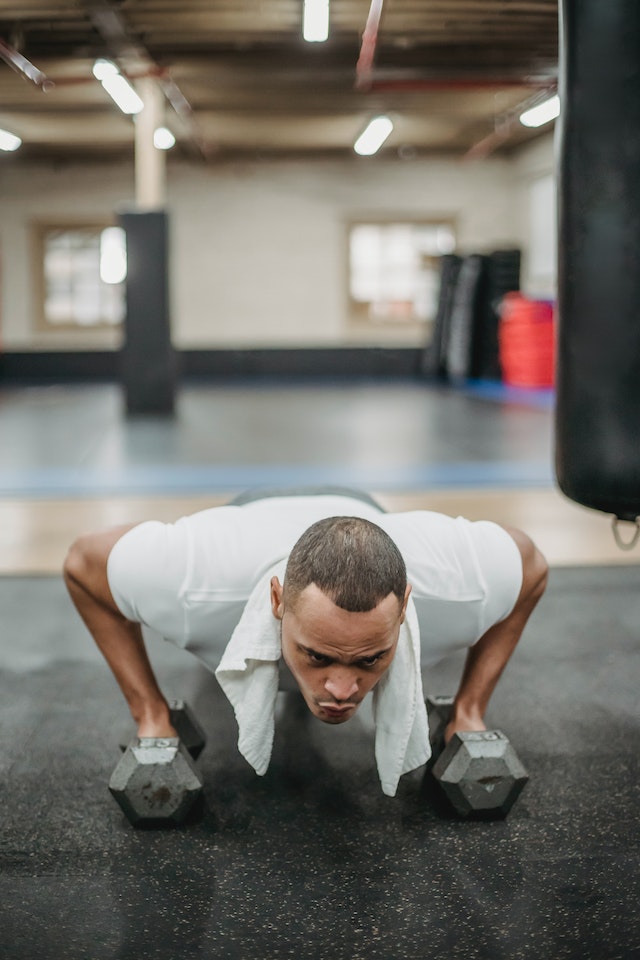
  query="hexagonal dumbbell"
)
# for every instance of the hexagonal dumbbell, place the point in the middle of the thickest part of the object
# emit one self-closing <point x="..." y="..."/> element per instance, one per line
<point x="191" y="734"/>
<point x="479" y="772"/>
<point x="155" y="782"/>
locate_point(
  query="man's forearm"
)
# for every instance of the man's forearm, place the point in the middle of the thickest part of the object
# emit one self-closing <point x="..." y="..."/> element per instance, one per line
<point x="483" y="667"/>
<point x="489" y="656"/>
<point x="119" y="640"/>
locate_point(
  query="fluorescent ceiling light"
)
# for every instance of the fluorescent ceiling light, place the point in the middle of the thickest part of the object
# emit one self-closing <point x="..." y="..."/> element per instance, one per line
<point x="163" y="139"/>
<point x="543" y="113"/>
<point x="119" y="89"/>
<point x="9" y="141"/>
<point x="315" y="25"/>
<point x="104" y="68"/>
<point x="373" y="137"/>
<point x="123" y="94"/>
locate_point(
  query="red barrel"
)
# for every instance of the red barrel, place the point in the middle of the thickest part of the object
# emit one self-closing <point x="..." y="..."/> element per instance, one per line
<point x="527" y="342"/>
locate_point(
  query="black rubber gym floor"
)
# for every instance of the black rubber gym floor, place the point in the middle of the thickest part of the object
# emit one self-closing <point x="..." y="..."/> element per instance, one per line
<point x="313" y="860"/>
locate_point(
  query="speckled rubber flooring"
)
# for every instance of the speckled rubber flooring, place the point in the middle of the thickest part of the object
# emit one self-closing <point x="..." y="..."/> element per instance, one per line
<point x="312" y="860"/>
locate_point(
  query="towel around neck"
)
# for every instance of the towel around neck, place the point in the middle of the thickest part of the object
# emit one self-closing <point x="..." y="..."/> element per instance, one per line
<point x="248" y="674"/>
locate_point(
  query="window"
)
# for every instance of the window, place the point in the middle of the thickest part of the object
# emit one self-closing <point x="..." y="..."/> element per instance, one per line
<point x="82" y="271"/>
<point x="394" y="271"/>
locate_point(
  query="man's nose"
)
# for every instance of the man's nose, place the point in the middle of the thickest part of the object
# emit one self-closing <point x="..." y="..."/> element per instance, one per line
<point x="341" y="684"/>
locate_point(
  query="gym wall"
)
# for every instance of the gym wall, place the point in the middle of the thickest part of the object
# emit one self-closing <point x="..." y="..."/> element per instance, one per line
<point x="257" y="249"/>
<point x="534" y="178"/>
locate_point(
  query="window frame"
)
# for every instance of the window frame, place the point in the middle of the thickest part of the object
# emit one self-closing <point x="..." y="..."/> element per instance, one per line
<point x="39" y="230"/>
<point x="386" y="326"/>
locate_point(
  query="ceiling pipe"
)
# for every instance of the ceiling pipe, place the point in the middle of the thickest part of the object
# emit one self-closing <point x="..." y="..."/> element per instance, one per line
<point x="158" y="73"/>
<point x="364" y="66"/>
<point x="488" y="144"/>
<point x="504" y="125"/>
<point x="23" y="66"/>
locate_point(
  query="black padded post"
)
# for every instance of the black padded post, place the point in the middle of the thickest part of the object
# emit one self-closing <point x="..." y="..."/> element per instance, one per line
<point x="598" y="374"/>
<point x="148" y="359"/>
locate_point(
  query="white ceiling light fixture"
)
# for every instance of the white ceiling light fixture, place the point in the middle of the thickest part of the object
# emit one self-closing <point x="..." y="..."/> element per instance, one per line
<point x="119" y="89"/>
<point x="315" y="21"/>
<point x="163" y="139"/>
<point x="370" y="141"/>
<point x="8" y="141"/>
<point x="542" y="113"/>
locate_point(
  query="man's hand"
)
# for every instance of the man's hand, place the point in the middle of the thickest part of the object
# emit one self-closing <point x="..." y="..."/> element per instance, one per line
<point x="462" y="725"/>
<point x="148" y="728"/>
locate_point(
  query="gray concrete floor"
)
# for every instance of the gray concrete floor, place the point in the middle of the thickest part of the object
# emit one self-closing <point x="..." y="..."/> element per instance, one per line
<point x="312" y="859"/>
<point x="386" y="436"/>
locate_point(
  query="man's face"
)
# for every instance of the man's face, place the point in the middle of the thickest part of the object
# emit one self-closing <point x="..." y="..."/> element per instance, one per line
<point x="336" y="657"/>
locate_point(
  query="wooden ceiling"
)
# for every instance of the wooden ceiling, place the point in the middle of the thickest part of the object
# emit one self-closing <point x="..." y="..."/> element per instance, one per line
<point x="240" y="81"/>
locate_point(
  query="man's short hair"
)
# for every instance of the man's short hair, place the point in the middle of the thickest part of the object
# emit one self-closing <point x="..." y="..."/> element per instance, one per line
<point x="353" y="561"/>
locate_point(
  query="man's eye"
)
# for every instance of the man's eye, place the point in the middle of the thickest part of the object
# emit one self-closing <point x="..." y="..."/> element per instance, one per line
<point x="317" y="657"/>
<point x="370" y="661"/>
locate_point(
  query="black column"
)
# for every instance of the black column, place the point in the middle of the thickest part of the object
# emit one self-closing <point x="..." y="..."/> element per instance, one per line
<point x="598" y="376"/>
<point x="148" y="361"/>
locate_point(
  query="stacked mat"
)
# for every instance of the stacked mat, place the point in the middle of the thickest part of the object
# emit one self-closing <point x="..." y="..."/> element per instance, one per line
<point x="465" y="338"/>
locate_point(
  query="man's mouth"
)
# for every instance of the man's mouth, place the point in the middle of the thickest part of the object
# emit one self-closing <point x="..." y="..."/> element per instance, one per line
<point x="336" y="709"/>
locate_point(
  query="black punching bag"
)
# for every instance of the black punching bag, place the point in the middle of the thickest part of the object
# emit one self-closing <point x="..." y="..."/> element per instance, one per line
<point x="598" y="373"/>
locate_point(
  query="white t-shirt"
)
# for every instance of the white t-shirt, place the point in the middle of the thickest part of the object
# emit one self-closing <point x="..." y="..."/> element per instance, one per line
<point x="189" y="581"/>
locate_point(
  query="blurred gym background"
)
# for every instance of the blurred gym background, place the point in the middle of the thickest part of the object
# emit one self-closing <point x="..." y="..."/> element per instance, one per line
<point x="210" y="281"/>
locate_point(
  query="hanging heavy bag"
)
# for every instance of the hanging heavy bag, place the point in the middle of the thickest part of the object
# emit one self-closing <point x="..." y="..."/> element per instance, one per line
<point x="598" y="367"/>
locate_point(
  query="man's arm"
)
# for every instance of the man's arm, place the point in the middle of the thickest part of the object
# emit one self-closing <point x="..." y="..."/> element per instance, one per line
<point x="488" y="657"/>
<point x="119" y="640"/>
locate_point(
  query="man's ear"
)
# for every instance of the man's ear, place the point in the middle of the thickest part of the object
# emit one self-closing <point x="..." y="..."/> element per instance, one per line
<point x="407" y="594"/>
<point x="277" y="605"/>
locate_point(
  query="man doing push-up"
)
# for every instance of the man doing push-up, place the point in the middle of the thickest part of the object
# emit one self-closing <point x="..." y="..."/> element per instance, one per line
<point x="324" y="587"/>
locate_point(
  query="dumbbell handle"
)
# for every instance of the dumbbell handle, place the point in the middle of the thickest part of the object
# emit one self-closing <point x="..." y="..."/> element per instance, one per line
<point x="189" y="730"/>
<point x="155" y="750"/>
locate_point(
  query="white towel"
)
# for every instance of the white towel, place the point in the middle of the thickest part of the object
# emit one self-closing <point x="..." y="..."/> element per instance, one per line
<point x="248" y="674"/>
